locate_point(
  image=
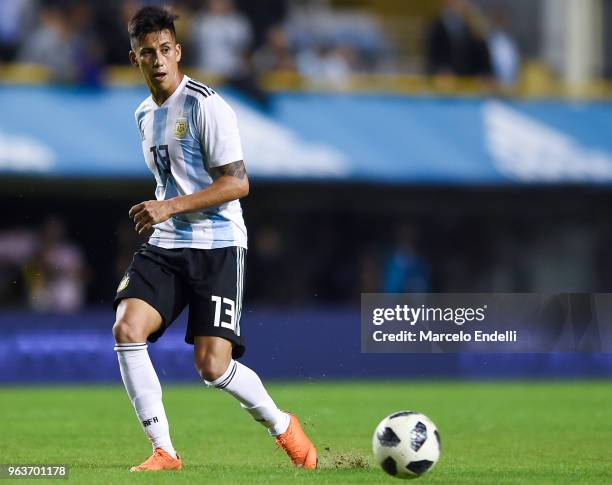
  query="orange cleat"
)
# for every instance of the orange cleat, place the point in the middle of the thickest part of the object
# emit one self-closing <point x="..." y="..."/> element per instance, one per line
<point x="159" y="460"/>
<point x="297" y="445"/>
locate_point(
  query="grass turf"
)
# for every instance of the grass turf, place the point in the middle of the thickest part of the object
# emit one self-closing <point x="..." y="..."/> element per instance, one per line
<point x="491" y="432"/>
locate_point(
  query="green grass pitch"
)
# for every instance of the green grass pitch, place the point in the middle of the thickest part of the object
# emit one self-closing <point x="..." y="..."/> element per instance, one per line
<point x="538" y="432"/>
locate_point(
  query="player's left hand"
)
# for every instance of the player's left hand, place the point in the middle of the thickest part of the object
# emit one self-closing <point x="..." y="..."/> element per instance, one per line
<point x="148" y="213"/>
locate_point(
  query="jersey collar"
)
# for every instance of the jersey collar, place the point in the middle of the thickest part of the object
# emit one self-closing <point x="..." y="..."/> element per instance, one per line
<point x="176" y="92"/>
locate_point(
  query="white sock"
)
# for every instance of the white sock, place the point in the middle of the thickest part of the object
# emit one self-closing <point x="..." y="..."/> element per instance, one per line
<point x="246" y="386"/>
<point x="144" y="389"/>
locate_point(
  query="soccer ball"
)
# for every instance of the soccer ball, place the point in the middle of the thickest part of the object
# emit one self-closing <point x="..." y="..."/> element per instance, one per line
<point x="406" y="444"/>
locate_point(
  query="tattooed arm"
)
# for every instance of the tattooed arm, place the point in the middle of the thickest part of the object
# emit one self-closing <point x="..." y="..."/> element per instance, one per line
<point x="230" y="182"/>
<point x="235" y="169"/>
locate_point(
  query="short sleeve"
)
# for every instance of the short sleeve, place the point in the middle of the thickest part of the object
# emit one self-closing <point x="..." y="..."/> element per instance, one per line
<point x="139" y="117"/>
<point x="218" y="129"/>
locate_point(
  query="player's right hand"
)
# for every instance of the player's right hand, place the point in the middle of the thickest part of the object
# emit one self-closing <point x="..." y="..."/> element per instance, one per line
<point x="148" y="213"/>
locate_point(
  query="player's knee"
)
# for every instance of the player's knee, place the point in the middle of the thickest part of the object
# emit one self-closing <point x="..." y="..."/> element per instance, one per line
<point x="210" y="367"/>
<point x="126" y="331"/>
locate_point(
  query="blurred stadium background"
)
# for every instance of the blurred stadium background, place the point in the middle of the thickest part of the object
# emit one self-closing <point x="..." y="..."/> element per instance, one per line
<point x="446" y="146"/>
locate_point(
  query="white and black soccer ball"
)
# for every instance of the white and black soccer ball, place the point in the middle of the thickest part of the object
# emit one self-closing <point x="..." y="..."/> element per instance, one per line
<point x="406" y="444"/>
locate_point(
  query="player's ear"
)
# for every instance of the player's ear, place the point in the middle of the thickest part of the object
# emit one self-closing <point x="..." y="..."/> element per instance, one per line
<point x="179" y="52"/>
<point x="133" y="59"/>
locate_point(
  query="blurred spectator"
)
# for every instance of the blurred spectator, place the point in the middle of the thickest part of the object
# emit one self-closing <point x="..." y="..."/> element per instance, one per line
<point x="16" y="248"/>
<point x="247" y="81"/>
<point x="16" y="18"/>
<point x="405" y="270"/>
<point x="65" y="43"/>
<point x="264" y="16"/>
<point x="221" y="37"/>
<point x="505" y="59"/>
<point x="55" y="275"/>
<point x="328" y="64"/>
<point x="369" y="272"/>
<point x="50" y="45"/>
<point x="331" y="45"/>
<point x="275" y="54"/>
<point x="112" y="20"/>
<point x="454" y="45"/>
<point x="87" y="48"/>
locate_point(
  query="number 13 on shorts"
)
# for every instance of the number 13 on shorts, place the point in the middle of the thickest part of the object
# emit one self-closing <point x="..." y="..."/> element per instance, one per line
<point x="229" y="307"/>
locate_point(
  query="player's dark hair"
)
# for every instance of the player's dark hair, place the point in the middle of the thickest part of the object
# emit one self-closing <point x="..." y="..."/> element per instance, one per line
<point x="151" y="19"/>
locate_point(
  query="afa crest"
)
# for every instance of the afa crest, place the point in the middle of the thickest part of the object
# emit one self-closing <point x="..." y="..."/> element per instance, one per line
<point x="124" y="283"/>
<point x="180" y="128"/>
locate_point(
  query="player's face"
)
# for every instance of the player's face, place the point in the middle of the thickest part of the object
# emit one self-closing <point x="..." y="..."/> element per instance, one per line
<point x="157" y="55"/>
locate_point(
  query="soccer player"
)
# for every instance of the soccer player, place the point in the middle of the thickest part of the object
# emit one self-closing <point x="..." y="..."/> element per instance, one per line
<point x="196" y="253"/>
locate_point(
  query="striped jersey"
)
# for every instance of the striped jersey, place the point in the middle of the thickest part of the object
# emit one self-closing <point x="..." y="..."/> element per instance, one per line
<point x="193" y="131"/>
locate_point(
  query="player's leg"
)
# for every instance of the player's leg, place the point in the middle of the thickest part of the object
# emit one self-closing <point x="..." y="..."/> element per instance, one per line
<point x="215" y="307"/>
<point x="135" y="321"/>
<point x="213" y="360"/>
<point x="214" y="328"/>
<point x="148" y="300"/>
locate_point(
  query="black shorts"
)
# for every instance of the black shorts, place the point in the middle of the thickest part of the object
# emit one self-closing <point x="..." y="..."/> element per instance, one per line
<point x="210" y="281"/>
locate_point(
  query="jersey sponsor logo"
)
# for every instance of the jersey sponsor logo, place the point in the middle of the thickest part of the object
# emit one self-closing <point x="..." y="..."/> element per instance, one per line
<point x="180" y="128"/>
<point x="123" y="284"/>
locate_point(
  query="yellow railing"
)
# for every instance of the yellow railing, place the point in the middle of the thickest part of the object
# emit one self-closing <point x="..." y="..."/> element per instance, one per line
<point x="535" y="82"/>
<point x="24" y="74"/>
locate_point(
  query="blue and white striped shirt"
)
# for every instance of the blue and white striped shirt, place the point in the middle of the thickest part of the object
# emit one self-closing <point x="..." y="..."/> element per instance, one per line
<point x="193" y="131"/>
